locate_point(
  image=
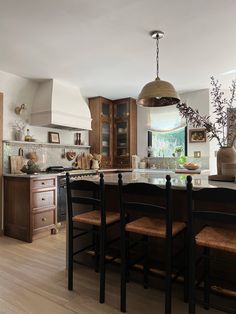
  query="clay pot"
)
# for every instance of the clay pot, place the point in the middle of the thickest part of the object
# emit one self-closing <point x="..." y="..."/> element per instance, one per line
<point x="225" y="155"/>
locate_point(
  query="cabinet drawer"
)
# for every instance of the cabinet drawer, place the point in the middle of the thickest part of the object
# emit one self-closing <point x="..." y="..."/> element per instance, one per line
<point x="43" y="183"/>
<point x="43" y="199"/>
<point x="44" y="219"/>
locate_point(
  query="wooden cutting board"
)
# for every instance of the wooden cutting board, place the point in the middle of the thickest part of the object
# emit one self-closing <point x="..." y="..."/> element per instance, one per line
<point x="16" y="163"/>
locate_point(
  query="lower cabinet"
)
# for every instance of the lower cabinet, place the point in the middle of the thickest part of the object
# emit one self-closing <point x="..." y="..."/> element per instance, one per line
<point x="30" y="206"/>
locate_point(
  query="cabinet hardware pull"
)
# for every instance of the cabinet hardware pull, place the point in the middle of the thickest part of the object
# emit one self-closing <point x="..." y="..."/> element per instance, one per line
<point x="43" y="183"/>
<point x="43" y="199"/>
<point x="44" y="219"/>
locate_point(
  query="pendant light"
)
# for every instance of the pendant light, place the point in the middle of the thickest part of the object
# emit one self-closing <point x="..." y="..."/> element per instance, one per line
<point x="158" y="93"/>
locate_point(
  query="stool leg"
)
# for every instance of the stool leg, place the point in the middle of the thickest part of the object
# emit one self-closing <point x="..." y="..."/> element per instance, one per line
<point x="70" y="258"/>
<point x="186" y="265"/>
<point x="123" y="272"/>
<point x="145" y="265"/>
<point x="206" y="278"/>
<point x="127" y="258"/>
<point x="96" y="248"/>
<point x="168" y="292"/>
<point x="102" y="264"/>
<point x="191" y="278"/>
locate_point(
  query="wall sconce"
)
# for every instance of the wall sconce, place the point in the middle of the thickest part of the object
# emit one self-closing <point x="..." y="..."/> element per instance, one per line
<point x="20" y="108"/>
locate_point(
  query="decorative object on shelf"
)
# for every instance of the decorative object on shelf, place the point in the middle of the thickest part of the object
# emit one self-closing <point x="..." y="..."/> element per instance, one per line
<point x="20" y="130"/>
<point x="222" y="128"/>
<point x="77" y="138"/>
<point x="30" y="168"/>
<point x="28" y="137"/>
<point x="158" y="93"/>
<point x="70" y="155"/>
<point x="19" y="109"/>
<point x="197" y="135"/>
<point x="53" y="137"/>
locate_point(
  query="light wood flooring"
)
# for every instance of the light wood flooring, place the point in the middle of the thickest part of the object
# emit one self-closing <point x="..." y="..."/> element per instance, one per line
<point x="33" y="279"/>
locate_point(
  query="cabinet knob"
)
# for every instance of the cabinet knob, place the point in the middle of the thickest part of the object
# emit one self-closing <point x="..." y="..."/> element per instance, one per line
<point x="44" y="219"/>
<point x="43" y="199"/>
<point x="43" y="183"/>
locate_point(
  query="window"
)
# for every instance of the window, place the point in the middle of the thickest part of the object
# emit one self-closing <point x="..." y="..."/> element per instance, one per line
<point x="164" y="142"/>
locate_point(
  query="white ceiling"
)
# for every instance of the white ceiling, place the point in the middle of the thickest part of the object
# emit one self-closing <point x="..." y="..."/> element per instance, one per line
<point x="103" y="46"/>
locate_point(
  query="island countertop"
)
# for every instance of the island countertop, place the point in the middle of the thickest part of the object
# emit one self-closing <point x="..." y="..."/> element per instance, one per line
<point x="158" y="178"/>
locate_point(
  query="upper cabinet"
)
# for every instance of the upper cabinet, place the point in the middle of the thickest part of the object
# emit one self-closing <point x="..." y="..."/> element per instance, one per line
<point x="114" y="130"/>
<point x="100" y="138"/>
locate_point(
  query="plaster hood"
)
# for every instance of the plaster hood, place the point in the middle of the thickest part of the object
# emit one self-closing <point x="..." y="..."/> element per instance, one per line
<point x="59" y="105"/>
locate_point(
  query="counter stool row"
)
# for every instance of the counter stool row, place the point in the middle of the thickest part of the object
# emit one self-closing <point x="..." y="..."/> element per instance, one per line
<point x="162" y="227"/>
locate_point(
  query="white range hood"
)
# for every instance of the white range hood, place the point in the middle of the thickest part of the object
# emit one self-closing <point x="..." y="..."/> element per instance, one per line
<point x="59" y="105"/>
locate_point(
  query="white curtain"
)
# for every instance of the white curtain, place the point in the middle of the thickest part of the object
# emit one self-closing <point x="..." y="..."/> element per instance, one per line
<point x="164" y="119"/>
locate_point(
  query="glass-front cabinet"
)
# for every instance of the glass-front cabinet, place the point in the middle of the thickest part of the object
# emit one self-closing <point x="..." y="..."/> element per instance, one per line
<point x="106" y="145"/>
<point x="125" y="132"/>
<point x="100" y="138"/>
<point x="121" y="139"/>
<point x="114" y="131"/>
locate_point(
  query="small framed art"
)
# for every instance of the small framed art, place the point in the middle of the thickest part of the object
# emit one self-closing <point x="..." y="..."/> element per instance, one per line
<point x="53" y="137"/>
<point x="197" y="135"/>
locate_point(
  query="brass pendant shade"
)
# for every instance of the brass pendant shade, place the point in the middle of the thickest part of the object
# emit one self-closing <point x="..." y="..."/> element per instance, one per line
<point x="158" y="93"/>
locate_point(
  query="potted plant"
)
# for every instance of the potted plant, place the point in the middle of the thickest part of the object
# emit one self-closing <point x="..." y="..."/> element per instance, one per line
<point x="221" y="127"/>
<point x="178" y="151"/>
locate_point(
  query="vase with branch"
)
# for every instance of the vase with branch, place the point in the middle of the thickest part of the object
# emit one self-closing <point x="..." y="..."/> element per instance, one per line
<point x="19" y="130"/>
<point x="221" y="126"/>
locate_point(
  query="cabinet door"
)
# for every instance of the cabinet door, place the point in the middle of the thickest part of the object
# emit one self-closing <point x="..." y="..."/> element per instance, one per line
<point x="106" y="144"/>
<point x="106" y="110"/>
<point x="121" y="109"/>
<point x="121" y="138"/>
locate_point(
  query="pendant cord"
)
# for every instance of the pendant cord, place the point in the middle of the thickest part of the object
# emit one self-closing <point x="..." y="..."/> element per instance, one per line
<point x="157" y="55"/>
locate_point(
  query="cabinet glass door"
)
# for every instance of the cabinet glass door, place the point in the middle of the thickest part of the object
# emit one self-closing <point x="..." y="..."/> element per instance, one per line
<point x="122" y="110"/>
<point x="106" y="109"/>
<point x="105" y="139"/>
<point x="122" y="139"/>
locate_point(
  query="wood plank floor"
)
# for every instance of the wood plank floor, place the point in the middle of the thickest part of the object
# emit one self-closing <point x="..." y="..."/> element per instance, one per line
<point x="33" y="280"/>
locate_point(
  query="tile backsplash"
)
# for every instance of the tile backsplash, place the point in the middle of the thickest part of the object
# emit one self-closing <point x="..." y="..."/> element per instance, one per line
<point x="48" y="154"/>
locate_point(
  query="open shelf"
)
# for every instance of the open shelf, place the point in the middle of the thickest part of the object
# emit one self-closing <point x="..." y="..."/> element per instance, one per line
<point x="42" y="144"/>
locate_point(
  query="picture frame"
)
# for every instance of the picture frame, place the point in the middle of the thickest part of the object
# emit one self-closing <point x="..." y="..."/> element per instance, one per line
<point x="197" y="135"/>
<point x="53" y="137"/>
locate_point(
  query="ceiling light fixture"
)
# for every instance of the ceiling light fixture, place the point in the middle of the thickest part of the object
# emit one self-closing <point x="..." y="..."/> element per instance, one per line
<point x="158" y="93"/>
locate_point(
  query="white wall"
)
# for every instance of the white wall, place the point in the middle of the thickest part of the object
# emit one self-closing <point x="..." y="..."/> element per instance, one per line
<point x="18" y="90"/>
<point x="198" y="100"/>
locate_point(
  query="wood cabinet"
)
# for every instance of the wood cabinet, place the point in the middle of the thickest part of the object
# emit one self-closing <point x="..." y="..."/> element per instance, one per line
<point x="101" y="136"/>
<point x="29" y="206"/>
<point x="114" y="130"/>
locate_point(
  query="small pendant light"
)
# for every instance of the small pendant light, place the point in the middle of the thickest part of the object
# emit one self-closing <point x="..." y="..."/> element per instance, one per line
<point x="158" y="93"/>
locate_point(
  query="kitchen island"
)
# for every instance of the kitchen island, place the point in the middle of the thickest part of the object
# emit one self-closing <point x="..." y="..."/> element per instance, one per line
<point x="157" y="177"/>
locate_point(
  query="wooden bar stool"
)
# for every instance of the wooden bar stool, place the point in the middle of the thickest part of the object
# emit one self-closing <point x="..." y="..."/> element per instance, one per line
<point x="99" y="218"/>
<point x="211" y="236"/>
<point x="146" y="226"/>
